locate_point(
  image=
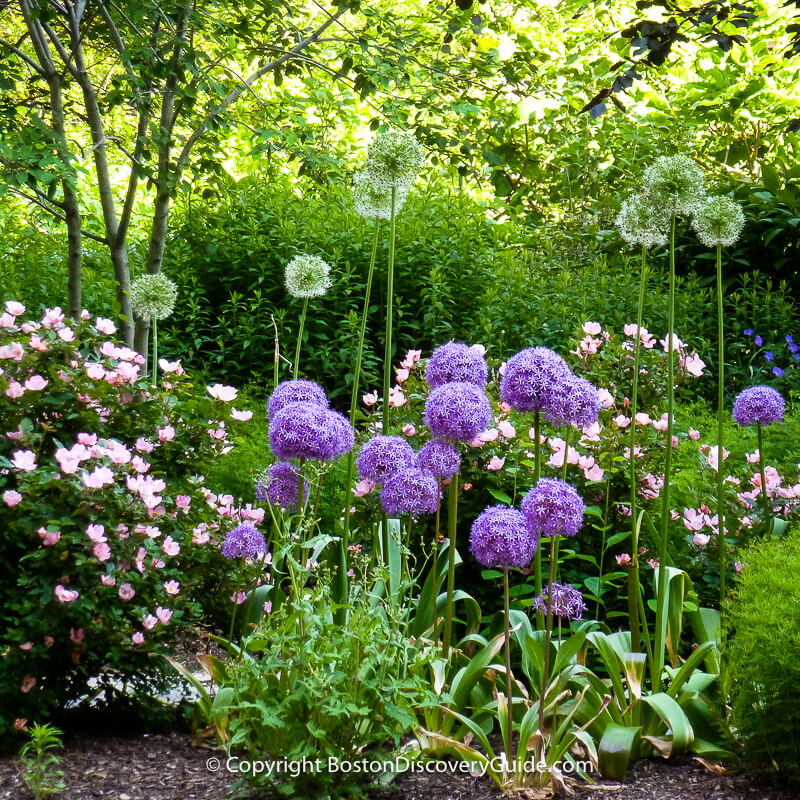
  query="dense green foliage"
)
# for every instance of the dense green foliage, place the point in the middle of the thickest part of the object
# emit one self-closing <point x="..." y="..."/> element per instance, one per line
<point x="764" y="657"/>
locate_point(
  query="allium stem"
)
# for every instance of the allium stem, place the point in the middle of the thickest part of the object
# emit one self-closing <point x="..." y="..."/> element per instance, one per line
<point x="300" y="339"/>
<point x="661" y="607"/>
<point x="155" y="350"/>
<point x="357" y="378"/>
<point x="452" y="510"/>
<point x="762" y="466"/>
<point x="342" y="590"/>
<point x="722" y="549"/>
<point x="387" y="358"/>
<point x="548" y="628"/>
<point x="537" y="473"/>
<point x="236" y="598"/>
<point x="509" y="681"/>
<point x="633" y="606"/>
<point x="436" y="566"/>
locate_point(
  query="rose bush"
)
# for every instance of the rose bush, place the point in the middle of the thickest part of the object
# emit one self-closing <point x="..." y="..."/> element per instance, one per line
<point x="110" y="537"/>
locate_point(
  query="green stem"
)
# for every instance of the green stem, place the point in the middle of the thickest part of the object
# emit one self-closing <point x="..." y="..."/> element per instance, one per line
<point x="357" y="381"/>
<point x="436" y="564"/>
<point x="387" y="357"/>
<point x="548" y="629"/>
<point x="537" y="474"/>
<point x="661" y="608"/>
<point x="722" y="549"/>
<point x="236" y="598"/>
<point x="509" y="682"/>
<point x="637" y="349"/>
<point x="602" y="552"/>
<point x="300" y="339"/>
<point x="762" y="466"/>
<point x="155" y="350"/>
<point x="452" y="509"/>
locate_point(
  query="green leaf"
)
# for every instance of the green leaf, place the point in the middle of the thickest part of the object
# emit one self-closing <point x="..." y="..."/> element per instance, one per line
<point x="618" y="745"/>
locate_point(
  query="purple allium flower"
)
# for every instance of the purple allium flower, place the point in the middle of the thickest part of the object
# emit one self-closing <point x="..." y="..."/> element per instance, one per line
<point x="244" y="541"/>
<point x="574" y="401"/>
<point x="440" y="458"/>
<point x="456" y="362"/>
<point x="457" y="411"/>
<point x="553" y="508"/>
<point x="304" y="430"/>
<point x="280" y="485"/>
<point x="758" y="405"/>
<point x="345" y="436"/>
<point x="567" y="601"/>
<point x="502" y="538"/>
<point x="769" y="356"/>
<point x="300" y="391"/>
<point x="410" y="491"/>
<point x="759" y="341"/>
<point x="777" y="372"/>
<point x="530" y="376"/>
<point x="383" y="456"/>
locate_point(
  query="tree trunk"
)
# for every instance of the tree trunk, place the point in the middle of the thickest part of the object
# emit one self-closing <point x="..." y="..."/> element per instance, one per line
<point x="74" y="251"/>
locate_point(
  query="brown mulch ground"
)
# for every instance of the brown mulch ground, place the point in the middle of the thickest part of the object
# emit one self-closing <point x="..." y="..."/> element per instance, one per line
<point x="167" y="767"/>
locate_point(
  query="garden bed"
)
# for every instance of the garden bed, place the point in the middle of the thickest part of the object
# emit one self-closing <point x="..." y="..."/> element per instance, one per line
<point x="167" y="767"/>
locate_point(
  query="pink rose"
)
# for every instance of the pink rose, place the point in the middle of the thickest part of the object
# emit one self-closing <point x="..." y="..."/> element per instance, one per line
<point x="126" y="592"/>
<point x="241" y="416"/>
<point x="224" y="394"/>
<point x="14" y="308"/>
<point x="24" y="460"/>
<point x="163" y="614"/>
<point x="495" y="463"/>
<point x="11" y="498"/>
<point x="64" y="595"/>
<point x="138" y="638"/>
<point x="105" y="326"/>
<point x="172" y="587"/>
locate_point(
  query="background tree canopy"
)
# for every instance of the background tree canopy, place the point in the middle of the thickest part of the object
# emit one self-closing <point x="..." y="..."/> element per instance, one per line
<point x="111" y="110"/>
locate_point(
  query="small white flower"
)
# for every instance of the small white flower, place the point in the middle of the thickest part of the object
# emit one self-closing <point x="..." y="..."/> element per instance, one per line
<point x="307" y="276"/>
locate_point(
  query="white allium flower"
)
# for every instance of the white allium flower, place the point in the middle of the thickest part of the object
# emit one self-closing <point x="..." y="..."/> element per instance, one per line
<point x="307" y="276"/>
<point x="394" y="159"/>
<point x="676" y="183"/>
<point x="153" y="296"/>
<point x="642" y="223"/>
<point x="719" y="221"/>
<point x="373" y="200"/>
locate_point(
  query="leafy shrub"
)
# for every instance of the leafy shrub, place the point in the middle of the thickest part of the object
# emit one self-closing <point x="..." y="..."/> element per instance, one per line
<point x="764" y="657"/>
<point x="109" y="534"/>
<point x="311" y="689"/>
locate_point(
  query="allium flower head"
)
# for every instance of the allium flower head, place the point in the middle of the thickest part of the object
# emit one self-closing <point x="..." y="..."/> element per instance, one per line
<point x="440" y="458"/>
<point x="153" y="296"/>
<point x="244" y="541"/>
<point x="394" y="159"/>
<point x="307" y="276"/>
<point x="457" y="411"/>
<point x="280" y="484"/>
<point x="501" y="537"/>
<point x="410" y="491"/>
<point x="530" y="376"/>
<point x="383" y="456"/>
<point x="674" y="183"/>
<point x="345" y="436"/>
<point x="640" y="223"/>
<point x="718" y="221"/>
<point x="553" y="508"/>
<point x="456" y="362"/>
<point x="304" y="430"/>
<point x="567" y="601"/>
<point x="573" y="401"/>
<point x="371" y="197"/>
<point x="760" y="405"/>
<point x="299" y="391"/>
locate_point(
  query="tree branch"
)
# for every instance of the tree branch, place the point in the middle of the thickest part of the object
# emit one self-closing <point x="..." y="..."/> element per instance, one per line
<point x="27" y="59"/>
<point x="243" y="87"/>
<point x="53" y="213"/>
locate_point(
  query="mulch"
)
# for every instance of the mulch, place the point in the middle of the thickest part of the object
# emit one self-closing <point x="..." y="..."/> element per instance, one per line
<point x="168" y="767"/>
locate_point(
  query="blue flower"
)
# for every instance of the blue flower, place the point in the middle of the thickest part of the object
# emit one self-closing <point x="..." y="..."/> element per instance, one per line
<point x="759" y="341"/>
<point x="748" y="332"/>
<point x="793" y="348"/>
<point x="769" y="356"/>
<point x="777" y="372"/>
<point x="789" y="338"/>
